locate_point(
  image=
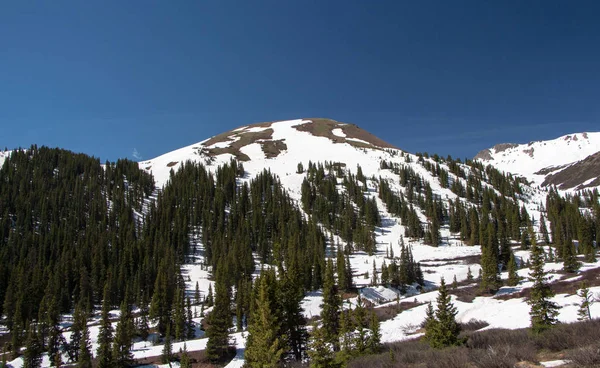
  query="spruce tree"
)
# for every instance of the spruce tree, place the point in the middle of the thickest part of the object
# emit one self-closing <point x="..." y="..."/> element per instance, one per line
<point x="219" y="322"/>
<point x="264" y="347"/>
<point x="185" y="360"/>
<point x="123" y="340"/>
<point x="85" y="349"/>
<point x="320" y="349"/>
<point x="513" y="276"/>
<point x="331" y="307"/>
<point x="445" y="330"/>
<point x="570" y="262"/>
<point x="105" y="335"/>
<point x="587" y="299"/>
<point x="167" y="351"/>
<point x="543" y="311"/>
<point x="374" y="341"/>
<point x="32" y="358"/>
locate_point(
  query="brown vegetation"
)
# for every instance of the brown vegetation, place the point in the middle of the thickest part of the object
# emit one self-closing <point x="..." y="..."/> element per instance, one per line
<point x="577" y="342"/>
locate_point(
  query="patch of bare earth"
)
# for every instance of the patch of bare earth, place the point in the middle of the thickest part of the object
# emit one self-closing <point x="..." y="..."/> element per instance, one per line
<point x="240" y="138"/>
<point x="320" y="127"/>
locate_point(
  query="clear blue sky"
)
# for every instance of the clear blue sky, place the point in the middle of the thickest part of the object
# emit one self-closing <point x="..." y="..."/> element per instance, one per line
<point x="108" y="77"/>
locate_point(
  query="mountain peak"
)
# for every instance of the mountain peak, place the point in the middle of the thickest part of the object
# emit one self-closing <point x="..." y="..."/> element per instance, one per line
<point x="281" y="145"/>
<point x="272" y="144"/>
<point x="538" y="161"/>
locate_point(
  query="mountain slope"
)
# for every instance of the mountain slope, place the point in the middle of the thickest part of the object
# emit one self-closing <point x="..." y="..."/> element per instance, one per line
<point x="541" y="162"/>
<point x="279" y="146"/>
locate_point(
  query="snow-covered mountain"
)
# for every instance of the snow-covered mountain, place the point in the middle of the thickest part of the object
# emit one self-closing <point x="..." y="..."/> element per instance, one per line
<point x="566" y="162"/>
<point x="280" y="146"/>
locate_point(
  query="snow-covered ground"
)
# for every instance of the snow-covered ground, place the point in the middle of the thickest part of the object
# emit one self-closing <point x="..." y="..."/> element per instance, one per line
<point x="451" y="259"/>
<point x="527" y="159"/>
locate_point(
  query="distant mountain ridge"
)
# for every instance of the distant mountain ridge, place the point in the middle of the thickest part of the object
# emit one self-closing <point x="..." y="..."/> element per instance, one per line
<point x="569" y="162"/>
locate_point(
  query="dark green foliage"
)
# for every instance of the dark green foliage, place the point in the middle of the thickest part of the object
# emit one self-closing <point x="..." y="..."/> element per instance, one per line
<point x="219" y="322"/>
<point x="543" y="311"/>
<point x="331" y="307"/>
<point x="185" y="360"/>
<point x="105" y="335"/>
<point x="264" y="347"/>
<point x="123" y="340"/>
<point x="84" y="356"/>
<point x="513" y="277"/>
<point x="441" y="329"/>
<point x="167" y="351"/>
<point x="32" y="358"/>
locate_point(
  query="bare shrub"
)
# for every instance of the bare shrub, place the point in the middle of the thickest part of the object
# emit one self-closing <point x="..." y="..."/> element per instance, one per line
<point x="474" y="325"/>
<point x="588" y="356"/>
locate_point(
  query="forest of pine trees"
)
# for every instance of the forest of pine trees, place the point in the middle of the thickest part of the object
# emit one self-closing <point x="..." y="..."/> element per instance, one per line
<point x="78" y="237"/>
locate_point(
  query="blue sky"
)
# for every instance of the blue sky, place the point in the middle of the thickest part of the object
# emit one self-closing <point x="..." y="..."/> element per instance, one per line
<point x="110" y="77"/>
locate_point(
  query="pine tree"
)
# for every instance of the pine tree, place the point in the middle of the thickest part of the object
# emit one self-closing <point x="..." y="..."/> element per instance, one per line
<point x="570" y="262"/>
<point x="185" y="361"/>
<point x="33" y="349"/>
<point x="587" y="300"/>
<point x="374" y="341"/>
<point x="490" y="278"/>
<point x="543" y="311"/>
<point x="209" y="297"/>
<point x="264" y="347"/>
<point x="105" y="335"/>
<point x="470" y="277"/>
<point x="320" y="349"/>
<point x="331" y="307"/>
<point x="197" y="294"/>
<point x="123" y="340"/>
<point x="167" y="351"/>
<point x="79" y="322"/>
<point x="445" y="330"/>
<point x="513" y="276"/>
<point x="85" y="349"/>
<point x="219" y="322"/>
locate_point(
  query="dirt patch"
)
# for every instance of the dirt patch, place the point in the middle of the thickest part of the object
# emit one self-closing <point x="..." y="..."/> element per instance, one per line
<point x="240" y="139"/>
<point x="273" y="148"/>
<point x="172" y="163"/>
<point x="320" y="127"/>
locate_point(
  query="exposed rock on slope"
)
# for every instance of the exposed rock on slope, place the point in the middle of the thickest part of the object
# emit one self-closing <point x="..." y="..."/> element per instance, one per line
<point x="567" y="162"/>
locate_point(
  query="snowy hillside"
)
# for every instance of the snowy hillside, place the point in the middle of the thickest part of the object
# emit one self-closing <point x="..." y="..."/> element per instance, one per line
<point x="279" y="146"/>
<point x="537" y="160"/>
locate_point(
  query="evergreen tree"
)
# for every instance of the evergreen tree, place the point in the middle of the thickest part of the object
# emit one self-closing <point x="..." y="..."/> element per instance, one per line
<point x="219" y="322"/>
<point x="320" y="349"/>
<point x="374" y="341"/>
<point x="185" y="361"/>
<point x="331" y="307"/>
<point x="79" y="323"/>
<point x="513" y="276"/>
<point x="32" y="358"/>
<point x="469" y="274"/>
<point x="587" y="300"/>
<point x="570" y="262"/>
<point x="167" y="351"/>
<point x="121" y="351"/>
<point x="85" y="349"/>
<point x="490" y="278"/>
<point x="105" y="335"/>
<point x="543" y="311"/>
<point x="264" y="347"/>
<point x="445" y="330"/>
